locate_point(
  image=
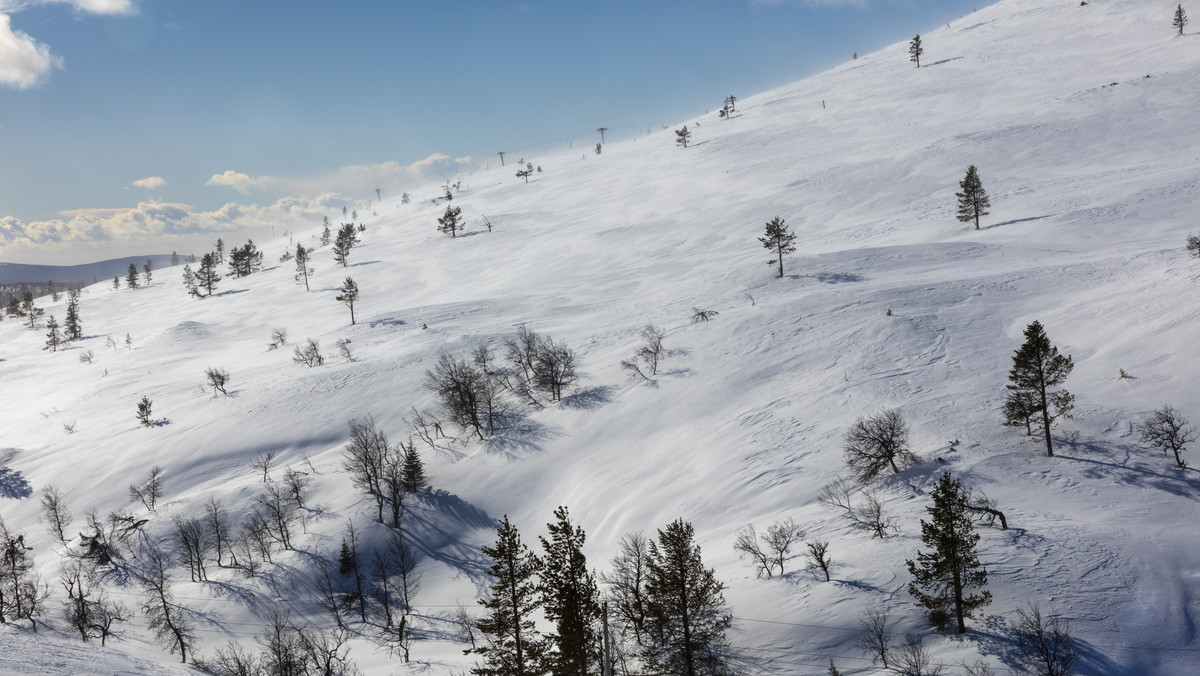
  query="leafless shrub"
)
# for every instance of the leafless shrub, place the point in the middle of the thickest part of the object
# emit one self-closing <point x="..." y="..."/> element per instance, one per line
<point x="218" y="379"/>
<point x="912" y="658"/>
<point x="1167" y="430"/>
<point x="818" y="556"/>
<point x="868" y="516"/>
<point x="644" y="363"/>
<point x="309" y="354"/>
<point x="876" y="442"/>
<point x="278" y="338"/>
<point x="86" y="357"/>
<point x="876" y="640"/>
<point x="699" y="315"/>
<point x="1044" y="642"/>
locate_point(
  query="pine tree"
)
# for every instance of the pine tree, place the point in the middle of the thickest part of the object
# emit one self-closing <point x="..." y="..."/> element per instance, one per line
<point x="148" y="271"/>
<point x="302" y="268"/>
<point x="131" y="279"/>
<point x="349" y="295"/>
<point x="1180" y="19"/>
<point x="943" y="576"/>
<point x="346" y="240"/>
<point x="220" y="252"/>
<point x="404" y="199"/>
<point x="682" y="136"/>
<point x="449" y="223"/>
<point x="779" y="240"/>
<point x="973" y="201"/>
<point x="685" y="623"/>
<point x="346" y="559"/>
<point x="143" y="412"/>
<point x="569" y="597"/>
<point x="326" y="235"/>
<point x="413" y="473"/>
<point x="915" y="50"/>
<point x="53" y="337"/>
<point x="512" y="645"/>
<point x="206" y="275"/>
<point x="116" y="282"/>
<point x="1038" y="367"/>
<point x="73" y="327"/>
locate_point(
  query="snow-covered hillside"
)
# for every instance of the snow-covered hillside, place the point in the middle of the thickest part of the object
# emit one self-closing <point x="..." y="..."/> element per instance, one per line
<point x="1082" y="122"/>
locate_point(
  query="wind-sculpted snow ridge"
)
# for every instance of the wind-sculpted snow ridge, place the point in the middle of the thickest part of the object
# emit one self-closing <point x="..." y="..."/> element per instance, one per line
<point x="888" y="303"/>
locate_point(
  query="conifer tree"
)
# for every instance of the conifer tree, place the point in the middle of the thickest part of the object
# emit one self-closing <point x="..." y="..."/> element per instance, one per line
<point x="148" y="271"/>
<point x="53" y="337"/>
<point x="413" y="473"/>
<point x="117" y="282"/>
<point x="915" y="50"/>
<point x="1037" y="368"/>
<point x="684" y="620"/>
<point x="144" y="412"/>
<point x="220" y="252"/>
<point x="206" y="275"/>
<point x="189" y="279"/>
<point x="131" y="279"/>
<point x="512" y="645"/>
<point x="973" y="201"/>
<point x="570" y="598"/>
<point x="943" y="576"/>
<point x="302" y="268"/>
<point x="326" y="234"/>
<point x="347" y="239"/>
<point x="73" y="327"/>
<point x="349" y="295"/>
<point x="1180" y="19"/>
<point x="29" y="310"/>
<point x="779" y="240"/>
<point x="449" y="223"/>
<point x="682" y="136"/>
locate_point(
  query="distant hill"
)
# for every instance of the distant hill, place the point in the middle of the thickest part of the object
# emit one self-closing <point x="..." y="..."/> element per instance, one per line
<point x="87" y="273"/>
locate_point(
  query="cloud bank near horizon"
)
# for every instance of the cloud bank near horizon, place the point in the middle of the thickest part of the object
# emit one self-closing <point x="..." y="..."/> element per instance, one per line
<point x="353" y="179"/>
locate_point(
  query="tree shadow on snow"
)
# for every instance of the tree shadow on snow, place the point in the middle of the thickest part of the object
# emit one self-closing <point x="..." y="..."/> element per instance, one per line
<point x="590" y="398"/>
<point x="1128" y="464"/>
<point x="996" y="639"/>
<point x="520" y="435"/>
<point x="13" y="485"/>
<point x="833" y="277"/>
<point x="938" y="63"/>
<point x="1015" y="221"/>
<point x="387" y="321"/>
<point x="357" y="265"/>
<point x="230" y="292"/>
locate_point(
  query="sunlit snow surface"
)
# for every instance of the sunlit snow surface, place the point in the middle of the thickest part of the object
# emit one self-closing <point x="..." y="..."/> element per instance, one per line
<point x="1083" y="124"/>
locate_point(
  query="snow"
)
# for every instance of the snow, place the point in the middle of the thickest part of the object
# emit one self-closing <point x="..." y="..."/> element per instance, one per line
<point x="1093" y="188"/>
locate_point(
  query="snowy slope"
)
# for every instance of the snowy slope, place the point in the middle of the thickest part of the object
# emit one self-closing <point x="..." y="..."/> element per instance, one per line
<point x="1082" y="122"/>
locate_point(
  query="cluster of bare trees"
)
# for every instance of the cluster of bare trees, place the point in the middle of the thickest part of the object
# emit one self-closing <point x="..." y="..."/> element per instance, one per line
<point x="473" y="393"/>
<point x="768" y="551"/>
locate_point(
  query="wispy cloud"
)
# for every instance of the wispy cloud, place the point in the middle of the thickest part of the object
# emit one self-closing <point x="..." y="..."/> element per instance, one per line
<point x="150" y="182"/>
<point x="351" y="180"/>
<point x="24" y="62"/>
<point x="102" y="7"/>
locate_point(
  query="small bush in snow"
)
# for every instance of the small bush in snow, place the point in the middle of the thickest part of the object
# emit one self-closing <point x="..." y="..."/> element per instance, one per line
<point x="1193" y="245"/>
<point x="1167" y="430"/>
<point x="309" y="354"/>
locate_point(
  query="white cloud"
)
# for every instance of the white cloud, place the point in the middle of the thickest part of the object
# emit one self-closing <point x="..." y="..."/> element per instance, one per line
<point x="351" y="180"/>
<point x="162" y="225"/>
<point x="240" y="182"/>
<point x="24" y="62"/>
<point x="95" y="6"/>
<point x="150" y="182"/>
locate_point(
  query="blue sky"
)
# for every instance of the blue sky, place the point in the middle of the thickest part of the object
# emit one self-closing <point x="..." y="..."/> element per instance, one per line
<point x="132" y="127"/>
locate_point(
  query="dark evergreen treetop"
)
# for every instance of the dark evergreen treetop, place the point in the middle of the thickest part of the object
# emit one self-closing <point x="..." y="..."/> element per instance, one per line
<point x="915" y="50"/>
<point x="1038" y="367"/>
<point x="685" y="619"/>
<point x="569" y="597"/>
<point x="512" y="645"/>
<point x="942" y="576"/>
<point x="1180" y="19"/>
<point x="779" y="240"/>
<point x="973" y="201"/>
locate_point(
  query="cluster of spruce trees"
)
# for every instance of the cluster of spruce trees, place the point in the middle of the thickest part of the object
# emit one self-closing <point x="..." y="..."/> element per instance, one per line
<point x="667" y="609"/>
